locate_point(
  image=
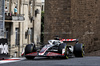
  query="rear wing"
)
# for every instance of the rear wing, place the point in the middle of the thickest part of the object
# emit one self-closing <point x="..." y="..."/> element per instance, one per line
<point x="69" y="40"/>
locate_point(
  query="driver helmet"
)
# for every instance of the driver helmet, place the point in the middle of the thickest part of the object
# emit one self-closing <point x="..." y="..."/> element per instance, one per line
<point x="56" y="37"/>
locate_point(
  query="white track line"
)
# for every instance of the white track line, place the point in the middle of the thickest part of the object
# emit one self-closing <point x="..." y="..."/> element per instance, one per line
<point x="9" y="61"/>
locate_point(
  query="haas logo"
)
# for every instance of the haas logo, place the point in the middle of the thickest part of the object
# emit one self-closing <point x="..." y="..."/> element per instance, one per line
<point x="4" y="48"/>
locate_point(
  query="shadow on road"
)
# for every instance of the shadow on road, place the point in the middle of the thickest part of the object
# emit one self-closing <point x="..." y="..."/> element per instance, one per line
<point x="47" y="58"/>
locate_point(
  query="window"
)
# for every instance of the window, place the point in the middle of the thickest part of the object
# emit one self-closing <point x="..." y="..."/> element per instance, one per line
<point x="6" y="33"/>
<point x="31" y="35"/>
<point x="17" y="36"/>
<point x="42" y="8"/>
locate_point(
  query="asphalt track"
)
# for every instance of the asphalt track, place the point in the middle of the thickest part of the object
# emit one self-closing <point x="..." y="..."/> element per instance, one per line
<point x="85" y="61"/>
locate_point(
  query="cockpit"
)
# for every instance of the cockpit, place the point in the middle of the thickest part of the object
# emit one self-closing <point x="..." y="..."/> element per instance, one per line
<point x="54" y="42"/>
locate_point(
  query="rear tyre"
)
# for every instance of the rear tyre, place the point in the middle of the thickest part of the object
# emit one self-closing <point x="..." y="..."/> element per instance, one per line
<point x="79" y="50"/>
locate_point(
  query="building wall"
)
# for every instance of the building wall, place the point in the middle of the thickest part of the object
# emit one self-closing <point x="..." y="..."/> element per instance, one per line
<point x="74" y="19"/>
<point x="37" y="22"/>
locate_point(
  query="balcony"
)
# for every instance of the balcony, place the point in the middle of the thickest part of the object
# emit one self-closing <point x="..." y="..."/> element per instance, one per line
<point x="13" y="18"/>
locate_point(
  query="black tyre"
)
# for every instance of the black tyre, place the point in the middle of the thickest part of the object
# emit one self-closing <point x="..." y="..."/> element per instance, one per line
<point x="29" y="49"/>
<point x="79" y="50"/>
<point x="61" y="47"/>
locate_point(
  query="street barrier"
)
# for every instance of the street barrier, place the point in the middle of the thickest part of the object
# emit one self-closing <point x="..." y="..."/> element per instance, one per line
<point x="4" y="52"/>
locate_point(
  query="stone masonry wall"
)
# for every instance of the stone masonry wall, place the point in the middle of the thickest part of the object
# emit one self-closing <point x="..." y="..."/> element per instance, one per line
<point x="57" y="18"/>
<point x="85" y="18"/>
<point x="74" y="19"/>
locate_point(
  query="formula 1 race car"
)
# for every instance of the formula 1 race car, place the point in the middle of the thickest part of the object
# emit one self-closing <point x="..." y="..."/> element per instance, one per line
<point x="55" y="48"/>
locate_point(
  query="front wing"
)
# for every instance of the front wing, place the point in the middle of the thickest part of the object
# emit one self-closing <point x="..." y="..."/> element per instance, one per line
<point x="47" y="54"/>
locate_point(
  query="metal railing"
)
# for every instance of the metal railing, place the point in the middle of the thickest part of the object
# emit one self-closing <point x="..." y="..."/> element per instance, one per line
<point x="18" y="17"/>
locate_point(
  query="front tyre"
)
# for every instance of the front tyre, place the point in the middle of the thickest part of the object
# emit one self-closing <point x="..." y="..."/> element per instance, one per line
<point x="61" y="48"/>
<point x="79" y="50"/>
<point x="66" y="54"/>
<point x="29" y="49"/>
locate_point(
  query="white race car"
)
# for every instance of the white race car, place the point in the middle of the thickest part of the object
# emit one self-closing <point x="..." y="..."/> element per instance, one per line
<point x="55" y="48"/>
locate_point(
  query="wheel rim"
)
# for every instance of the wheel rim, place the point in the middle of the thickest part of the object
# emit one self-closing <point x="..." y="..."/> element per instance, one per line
<point x="66" y="52"/>
<point x="83" y="50"/>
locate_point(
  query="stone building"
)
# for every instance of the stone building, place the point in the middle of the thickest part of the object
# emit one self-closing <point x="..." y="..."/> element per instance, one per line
<point x="74" y="19"/>
<point x="25" y="27"/>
